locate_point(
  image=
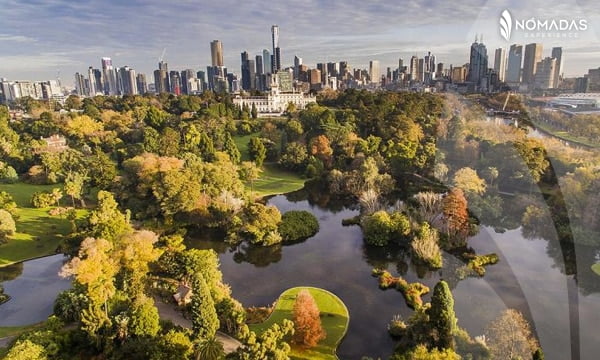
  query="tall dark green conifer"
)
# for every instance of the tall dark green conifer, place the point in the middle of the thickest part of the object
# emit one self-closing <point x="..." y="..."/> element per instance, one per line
<point x="231" y="149"/>
<point x="442" y="316"/>
<point x="205" y="321"/>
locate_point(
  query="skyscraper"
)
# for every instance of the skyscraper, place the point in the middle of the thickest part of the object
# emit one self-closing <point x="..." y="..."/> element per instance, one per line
<point x="245" y="71"/>
<point x="127" y="81"/>
<point x="80" y="87"/>
<point x="478" y="64"/>
<point x="161" y="78"/>
<point x="216" y="52"/>
<point x="414" y="68"/>
<point x="260" y="73"/>
<point x="500" y="63"/>
<point x="187" y="78"/>
<point x="557" y="54"/>
<point x="110" y="77"/>
<point x="92" y="81"/>
<point x="374" y="72"/>
<point x="142" y="84"/>
<point x="297" y="63"/>
<point x="515" y="59"/>
<point x="267" y="61"/>
<point x="533" y="55"/>
<point x="276" y="63"/>
<point x="544" y="75"/>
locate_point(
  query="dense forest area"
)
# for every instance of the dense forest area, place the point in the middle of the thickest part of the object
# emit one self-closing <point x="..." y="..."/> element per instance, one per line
<point x="137" y="174"/>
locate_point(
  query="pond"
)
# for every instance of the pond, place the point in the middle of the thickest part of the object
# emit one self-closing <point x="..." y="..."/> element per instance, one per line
<point x="33" y="286"/>
<point x="335" y="259"/>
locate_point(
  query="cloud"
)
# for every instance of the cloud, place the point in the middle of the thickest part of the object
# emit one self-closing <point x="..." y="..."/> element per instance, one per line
<point x="134" y="32"/>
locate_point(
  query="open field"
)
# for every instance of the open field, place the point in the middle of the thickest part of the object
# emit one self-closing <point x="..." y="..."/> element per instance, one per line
<point x="334" y="318"/>
<point x="38" y="233"/>
<point x="272" y="180"/>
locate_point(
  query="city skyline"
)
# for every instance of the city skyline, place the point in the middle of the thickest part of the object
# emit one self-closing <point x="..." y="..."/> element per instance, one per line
<point x="90" y="31"/>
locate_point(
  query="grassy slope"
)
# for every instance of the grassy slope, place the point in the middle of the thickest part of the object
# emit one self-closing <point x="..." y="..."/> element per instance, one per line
<point x="38" y="233"/>
<point x="564" y="135"/>
<point x="272" y="180"/>
<point x="334" y="317"/>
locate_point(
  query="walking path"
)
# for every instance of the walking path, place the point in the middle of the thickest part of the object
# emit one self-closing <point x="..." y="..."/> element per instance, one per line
<point x="169" y="312"/>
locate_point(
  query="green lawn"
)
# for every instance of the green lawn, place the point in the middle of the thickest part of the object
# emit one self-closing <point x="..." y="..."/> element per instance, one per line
<point x="273" y="180"/>
<point x="38" y="233"/>
<point x="334" y="317"/>
<point x="564" y="135"/>
<point x="596" y="269"/>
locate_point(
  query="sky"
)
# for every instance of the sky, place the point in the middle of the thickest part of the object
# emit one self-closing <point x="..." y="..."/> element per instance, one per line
<point x="43" y="39"/>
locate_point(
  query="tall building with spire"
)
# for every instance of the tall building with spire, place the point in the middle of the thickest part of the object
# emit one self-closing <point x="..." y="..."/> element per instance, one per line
<point x="276" y="57"/>
<point x="478" y="64"/>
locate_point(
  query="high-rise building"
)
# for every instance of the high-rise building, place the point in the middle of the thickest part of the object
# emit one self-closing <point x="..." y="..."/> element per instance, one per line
<point x="297" y="63"/>
<point x="246" y="83"/>
<point x="216" y="53"/>
<point x="110" y="77"/>
<point x="421" y="70"/>
<point x="267" y="61"/>
<point x="500" y="63"/>
<point x="557" y="54"/>
<point x="515" y="59"/>
<point x="175" y="82"/>
<point x="414" y="67"/>
<point x="314" y="78"/>
<point x="161" y="78"/>
<point x="142" y="84"/>
<point x="80" y="87"/>
<point x="533" y="55"/>
<point x="478" y="64"/>
<point x="323" y="69"/>
<point x="276" y="57"/>
<point x="459" y="74"/>
<point x="127" y="81"/>
<point x="374" y="72"/>
<point x="92" y="81"/>
<point x="188" y="78"/>
<point x="593" y="80"/>
<point x="260" y="73"/>
<point x="544" y="74"/>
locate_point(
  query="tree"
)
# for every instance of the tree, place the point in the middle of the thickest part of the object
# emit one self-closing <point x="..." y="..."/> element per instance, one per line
<point x="26" y="350"/>
<point x="249" y="172"/>
<point x="257" y="151"/>
<point x="254" y="111"/>
<point x="7" y="225"/>
<point x="144" y="317"/>
<point x="468" y="181"/>
<point x="454" y="207"/>
<point x="205" y="321"/>
<point x="74" y="187"/>
<point x="230" y="148"/>
<point x="422" y="353"/>
<point x="261" y="224"/>
<point x="210" y="349"/>
<point x="308" y="330"/>
<point x="441" y="316"/>
<point x="509" y="336"/>
<point x="380" y="228"/>
<point x="298" y="225"/>
<point x="82" y="126"/>
<point x="320" y="147"/>
<point x="137" y="252"/>
<point x="294" y="157"/>
<point x="106" y="221"/>
<point x="102" y="170"/>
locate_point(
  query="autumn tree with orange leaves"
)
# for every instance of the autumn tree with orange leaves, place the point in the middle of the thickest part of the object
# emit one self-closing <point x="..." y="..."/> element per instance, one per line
<point x="456" y="215"/>
<point x="307" y="323"/>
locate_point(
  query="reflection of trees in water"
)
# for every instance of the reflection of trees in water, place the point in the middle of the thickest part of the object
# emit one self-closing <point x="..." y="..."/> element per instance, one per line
<point x="11" y="272"/>
<point x="259" y="256"/>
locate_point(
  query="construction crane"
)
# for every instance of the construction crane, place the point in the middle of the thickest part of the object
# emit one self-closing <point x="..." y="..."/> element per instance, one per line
<point x="506" y="101"/>
<point x="160" y="59"/>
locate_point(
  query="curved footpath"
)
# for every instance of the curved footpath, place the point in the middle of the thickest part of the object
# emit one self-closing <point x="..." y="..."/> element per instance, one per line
<point x="169" y="312"/>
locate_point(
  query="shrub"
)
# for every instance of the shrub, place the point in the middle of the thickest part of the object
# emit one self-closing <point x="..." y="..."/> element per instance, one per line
<point x="7" y="225"/>
<point x="298" y="225"/>
<point x="477" y="263"/>
<point x="425" y="247"/>
<point x="380" y="228"/>
<point x="412" y="292"/>
<point x="397" y="327"/>
<point x="8" y="175"/>
<point x="42" y="199"/>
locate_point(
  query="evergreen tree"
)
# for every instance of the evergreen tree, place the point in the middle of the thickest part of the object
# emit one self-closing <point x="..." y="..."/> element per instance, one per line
<point x="204" y="315"/>
<point x="307" y="323"/>
<point x="210" y="349"/>
<point x="257" y="151"/>
<point x="442" y="317"/>
<point x="206" y="147"/>
<point x="254" y="111"/>
<point x="231" y="149"/>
